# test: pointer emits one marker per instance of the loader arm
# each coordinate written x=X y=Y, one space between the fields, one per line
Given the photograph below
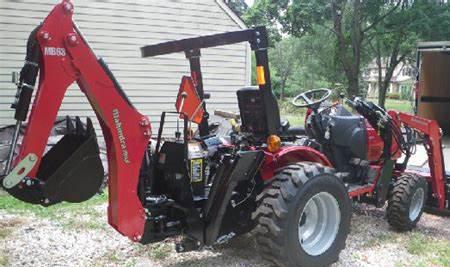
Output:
x=433 y=145
x=67 y=58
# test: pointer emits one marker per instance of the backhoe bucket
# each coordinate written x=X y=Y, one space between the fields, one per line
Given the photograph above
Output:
x=72 y=170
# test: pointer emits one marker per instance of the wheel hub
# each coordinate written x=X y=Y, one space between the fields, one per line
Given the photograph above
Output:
x=319 y=223
x=416 y=204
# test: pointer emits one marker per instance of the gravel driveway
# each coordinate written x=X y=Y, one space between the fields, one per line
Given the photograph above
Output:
x=83 y=238
x=80 y=236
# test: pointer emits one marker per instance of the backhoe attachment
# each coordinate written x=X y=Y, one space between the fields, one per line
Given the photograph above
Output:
x=72 y=171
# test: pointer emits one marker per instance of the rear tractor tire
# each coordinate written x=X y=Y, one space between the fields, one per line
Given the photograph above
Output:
x=303 y=216
x=406 y=201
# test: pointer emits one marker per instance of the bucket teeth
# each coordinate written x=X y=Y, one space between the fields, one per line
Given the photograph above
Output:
x=80 y=128
x=69 y=125
x=89 y=127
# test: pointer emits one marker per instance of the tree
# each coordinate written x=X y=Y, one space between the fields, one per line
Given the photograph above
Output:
x=391 y=44
x=342 y=36
x=283 y=58
x=264 y=12
x=313 y=64
x=350 y=21
x=238 y=6
x=320 y=57
x=394 y=39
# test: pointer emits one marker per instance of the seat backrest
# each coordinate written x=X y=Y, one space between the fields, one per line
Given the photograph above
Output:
x=257 y=117
x=350 y=132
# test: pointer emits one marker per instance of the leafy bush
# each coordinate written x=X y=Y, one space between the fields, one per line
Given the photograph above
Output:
x=405 y=93
x=286 y=107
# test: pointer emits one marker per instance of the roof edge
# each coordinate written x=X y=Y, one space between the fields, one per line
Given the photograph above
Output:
x=231 y=14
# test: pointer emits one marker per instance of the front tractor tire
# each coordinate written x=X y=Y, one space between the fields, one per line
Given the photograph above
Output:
x=303 y=216
x=406 y=201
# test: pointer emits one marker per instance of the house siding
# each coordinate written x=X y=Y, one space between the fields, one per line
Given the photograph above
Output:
x=116 y=30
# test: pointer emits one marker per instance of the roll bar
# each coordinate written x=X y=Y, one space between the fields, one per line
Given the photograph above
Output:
x=257 y=37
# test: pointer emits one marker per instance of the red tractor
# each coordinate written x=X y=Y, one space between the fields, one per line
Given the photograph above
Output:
x=293 y=186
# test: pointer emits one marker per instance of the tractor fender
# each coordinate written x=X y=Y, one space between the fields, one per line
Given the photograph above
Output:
x=289 y=155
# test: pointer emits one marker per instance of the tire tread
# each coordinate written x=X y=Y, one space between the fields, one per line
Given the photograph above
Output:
x=273 y=208
x=398 y=203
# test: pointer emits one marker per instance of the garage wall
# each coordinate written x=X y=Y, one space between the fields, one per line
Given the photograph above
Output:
x=116 y=29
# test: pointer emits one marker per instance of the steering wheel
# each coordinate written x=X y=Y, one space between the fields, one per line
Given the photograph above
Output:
x=306 y=97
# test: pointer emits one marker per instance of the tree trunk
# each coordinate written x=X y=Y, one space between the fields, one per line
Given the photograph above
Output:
x=394 y=60
x=349 y=49
x=353 y=86
x=381 y=86
x=382 y=89
x=282 y=85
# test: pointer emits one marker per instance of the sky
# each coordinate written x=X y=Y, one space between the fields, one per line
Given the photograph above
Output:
x=249 y=2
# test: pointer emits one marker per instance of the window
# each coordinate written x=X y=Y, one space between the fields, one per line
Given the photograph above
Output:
x=406 y=71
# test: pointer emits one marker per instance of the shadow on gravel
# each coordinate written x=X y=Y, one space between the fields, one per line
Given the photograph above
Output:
x=241 y=251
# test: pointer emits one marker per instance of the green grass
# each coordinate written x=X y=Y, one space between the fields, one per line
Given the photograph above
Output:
x=90 y=223
x=5 y=232
x=3 y=259
x=12 y=205
x=432 y=251
x=160 y=251
x=294 y=120
x=8 y=226
x=380 y=239
x=399 y=105
x=427 y=250
x=67 y=214
x=295 y=116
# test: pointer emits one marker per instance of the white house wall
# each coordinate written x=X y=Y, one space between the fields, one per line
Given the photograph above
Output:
x=116 y=30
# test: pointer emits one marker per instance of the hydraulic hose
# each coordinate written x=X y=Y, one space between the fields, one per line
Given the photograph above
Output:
x=28 y=76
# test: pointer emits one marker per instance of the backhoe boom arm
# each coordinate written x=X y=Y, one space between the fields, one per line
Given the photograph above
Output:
x=67 y=58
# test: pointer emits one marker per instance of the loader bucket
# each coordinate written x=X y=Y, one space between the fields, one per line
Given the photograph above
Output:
x=72 y=170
